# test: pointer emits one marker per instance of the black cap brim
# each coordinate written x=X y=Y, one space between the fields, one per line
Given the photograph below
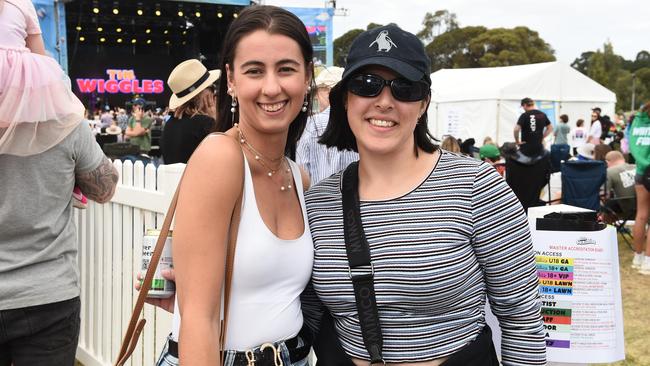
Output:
x=400 y=67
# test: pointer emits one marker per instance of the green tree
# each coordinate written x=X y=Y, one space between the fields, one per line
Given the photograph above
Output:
x=451 y=49
x=605 y=67
x=642 y=86
x=642 y=60
x=437 y=23
x=342 y=44
x=617 y=74
x=582 y=63
x=507 y=47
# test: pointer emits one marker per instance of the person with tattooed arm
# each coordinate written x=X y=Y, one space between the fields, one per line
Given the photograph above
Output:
x=39 y=276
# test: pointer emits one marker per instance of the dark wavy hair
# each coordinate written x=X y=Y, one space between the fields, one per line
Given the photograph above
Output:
x=273 y=20
x=338 y=133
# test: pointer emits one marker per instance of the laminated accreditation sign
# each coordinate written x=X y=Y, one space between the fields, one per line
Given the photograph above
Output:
x=580 y=293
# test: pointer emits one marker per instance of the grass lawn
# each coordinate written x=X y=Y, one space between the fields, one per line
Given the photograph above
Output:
x=635 y=289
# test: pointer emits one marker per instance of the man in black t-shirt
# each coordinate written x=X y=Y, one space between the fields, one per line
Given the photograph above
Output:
x=534 y=127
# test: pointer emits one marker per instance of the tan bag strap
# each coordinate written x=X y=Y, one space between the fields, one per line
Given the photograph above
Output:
x=136 y=325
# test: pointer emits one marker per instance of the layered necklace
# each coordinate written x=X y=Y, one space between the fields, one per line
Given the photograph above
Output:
x=282 y=165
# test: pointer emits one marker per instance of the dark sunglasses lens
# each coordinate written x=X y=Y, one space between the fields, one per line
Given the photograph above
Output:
x=366 y=85
x=409 y=91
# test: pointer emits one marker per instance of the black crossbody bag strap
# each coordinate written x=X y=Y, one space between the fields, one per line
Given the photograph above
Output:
x=360 y=266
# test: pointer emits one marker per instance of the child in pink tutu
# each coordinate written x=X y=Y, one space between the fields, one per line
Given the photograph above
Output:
x=37 y=106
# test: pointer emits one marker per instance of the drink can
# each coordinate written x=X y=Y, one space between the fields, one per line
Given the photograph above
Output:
x=160 y=287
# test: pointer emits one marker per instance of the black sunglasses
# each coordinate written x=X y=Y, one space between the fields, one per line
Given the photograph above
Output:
x=369 y=85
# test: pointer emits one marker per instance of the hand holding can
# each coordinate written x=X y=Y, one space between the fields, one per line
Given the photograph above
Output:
x=160 y=286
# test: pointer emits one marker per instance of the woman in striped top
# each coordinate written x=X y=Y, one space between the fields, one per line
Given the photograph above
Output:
x=443 y=230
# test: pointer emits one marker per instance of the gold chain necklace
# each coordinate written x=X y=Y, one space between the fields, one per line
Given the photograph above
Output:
x=263 y=161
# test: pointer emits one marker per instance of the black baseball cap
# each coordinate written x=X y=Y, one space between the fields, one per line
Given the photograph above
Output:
x=391 y=47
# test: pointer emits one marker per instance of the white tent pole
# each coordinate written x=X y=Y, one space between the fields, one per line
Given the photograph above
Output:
x=437 y=128
x=498 y=136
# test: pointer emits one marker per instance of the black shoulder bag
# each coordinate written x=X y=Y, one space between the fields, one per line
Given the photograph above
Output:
x=326 y=344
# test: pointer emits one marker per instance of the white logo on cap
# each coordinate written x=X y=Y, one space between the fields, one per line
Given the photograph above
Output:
x=384 y=43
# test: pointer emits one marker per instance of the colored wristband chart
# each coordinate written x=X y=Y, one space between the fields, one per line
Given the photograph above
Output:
x=556 y=278
x=579 y=288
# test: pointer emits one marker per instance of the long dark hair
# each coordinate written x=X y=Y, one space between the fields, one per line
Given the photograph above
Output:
x=338 y=133
x=273 y=20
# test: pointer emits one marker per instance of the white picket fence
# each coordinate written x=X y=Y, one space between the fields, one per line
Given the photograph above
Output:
x=110 y=249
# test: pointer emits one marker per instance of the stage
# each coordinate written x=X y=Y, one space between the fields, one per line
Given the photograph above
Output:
x=118 y=50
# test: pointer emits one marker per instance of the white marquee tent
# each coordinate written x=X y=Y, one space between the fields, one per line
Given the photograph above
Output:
x=486 y=101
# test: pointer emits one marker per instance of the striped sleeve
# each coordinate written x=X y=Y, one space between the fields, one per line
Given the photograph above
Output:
x=503 y=247
x=305 y=143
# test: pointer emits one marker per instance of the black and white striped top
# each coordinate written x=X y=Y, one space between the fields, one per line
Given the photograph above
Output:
x=437 y=251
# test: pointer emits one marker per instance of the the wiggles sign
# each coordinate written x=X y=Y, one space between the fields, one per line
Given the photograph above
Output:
x=121 y=81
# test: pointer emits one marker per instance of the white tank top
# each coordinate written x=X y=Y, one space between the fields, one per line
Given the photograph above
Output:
x=269 y=276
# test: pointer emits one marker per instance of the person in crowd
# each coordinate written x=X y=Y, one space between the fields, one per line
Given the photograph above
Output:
x=533 y=125
x=579 y=136
x=429 y=219
x=319 y=161
x=195 y=110
x=562 y=131
x=490 y=154
x=265 y=96
x=608 y=128
x=122 y=120
x=621 y=121
x=617 y=141
x=45 y=149
x=600 y=151
x=106 y=118
x=450 y=144
x=596 y=129
x=586 y=152
x=138 y=129
x=467 y=147
x=620 y=183
x=560 y=150
x=488 y=140
x=640 y=149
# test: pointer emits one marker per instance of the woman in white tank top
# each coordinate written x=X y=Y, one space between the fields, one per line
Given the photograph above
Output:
x=264 y=100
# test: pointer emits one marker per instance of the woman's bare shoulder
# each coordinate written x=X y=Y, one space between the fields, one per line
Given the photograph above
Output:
x=217 y=165
x=218 y=152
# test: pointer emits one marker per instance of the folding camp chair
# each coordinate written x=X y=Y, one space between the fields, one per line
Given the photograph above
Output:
x=581 y=183
x=526 y=177
x=559 y=153
x=617 y=211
